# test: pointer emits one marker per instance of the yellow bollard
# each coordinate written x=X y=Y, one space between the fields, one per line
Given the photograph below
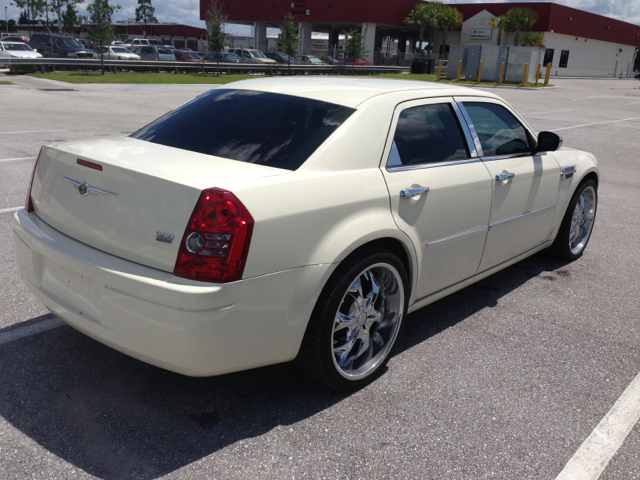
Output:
x=501 y=74
x=439 y=69
x=459 y=70
x=546 y=75
x=538 y=74
x=524 y=75
x=480 y=72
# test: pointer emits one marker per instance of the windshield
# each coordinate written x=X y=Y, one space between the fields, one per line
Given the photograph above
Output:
x=271 y=129
x=257 y=54
x=315 y=60
x=232 y=56
x=68 y=43
x=16 y=46
x=191 y=55
x=119 y=50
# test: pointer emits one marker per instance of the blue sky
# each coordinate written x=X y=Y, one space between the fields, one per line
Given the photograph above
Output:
x=188 y=11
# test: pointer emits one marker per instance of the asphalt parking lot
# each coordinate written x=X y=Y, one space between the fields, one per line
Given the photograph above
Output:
x=503 y=380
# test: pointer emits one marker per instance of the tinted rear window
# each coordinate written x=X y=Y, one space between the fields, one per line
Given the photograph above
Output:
x=270 y=129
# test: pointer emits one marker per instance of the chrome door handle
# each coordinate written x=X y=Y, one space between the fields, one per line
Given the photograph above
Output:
x=413 y=192
x=504 y=176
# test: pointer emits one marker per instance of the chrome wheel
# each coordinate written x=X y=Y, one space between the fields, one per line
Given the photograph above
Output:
x=367 y=321
x=582 y=220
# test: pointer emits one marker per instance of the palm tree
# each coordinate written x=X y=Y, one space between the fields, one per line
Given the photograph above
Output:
x=519 y=19
x=424 y=16
x=533 y=39
x=448 y=18
x=501 y=24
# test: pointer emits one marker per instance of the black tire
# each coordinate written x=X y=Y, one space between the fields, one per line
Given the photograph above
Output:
x=564 y=247
x=372 y=341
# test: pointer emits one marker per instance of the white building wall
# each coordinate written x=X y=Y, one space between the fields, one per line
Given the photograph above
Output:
x=589 y=58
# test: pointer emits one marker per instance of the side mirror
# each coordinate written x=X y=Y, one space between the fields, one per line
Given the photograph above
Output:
x=548 y=142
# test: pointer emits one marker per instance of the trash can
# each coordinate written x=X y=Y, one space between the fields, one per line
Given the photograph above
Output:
x=422 y=66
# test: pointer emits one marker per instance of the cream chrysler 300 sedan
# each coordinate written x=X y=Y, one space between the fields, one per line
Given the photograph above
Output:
x=279 y=219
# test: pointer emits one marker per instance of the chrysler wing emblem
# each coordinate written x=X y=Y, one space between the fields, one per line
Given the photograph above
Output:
x=85 y=189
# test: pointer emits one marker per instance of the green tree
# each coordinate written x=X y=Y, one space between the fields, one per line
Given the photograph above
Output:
x=23 y=19
x=448 y=18
x=102 y=32
x=145 y=13
x=11 y=28
x=501 y=24
x=34 y=8
x=519 y=19
x=424 y=17
x=533 y=39
x=354 y=46
x=288 y=37
x=69 y=19
x=215 y=31
x=57 y=7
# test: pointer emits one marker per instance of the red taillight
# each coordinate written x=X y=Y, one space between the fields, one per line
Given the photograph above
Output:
x=28 y=206
x=216 y=242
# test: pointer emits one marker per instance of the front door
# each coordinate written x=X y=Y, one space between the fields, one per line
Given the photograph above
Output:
x=525 y=186
x=440 y=191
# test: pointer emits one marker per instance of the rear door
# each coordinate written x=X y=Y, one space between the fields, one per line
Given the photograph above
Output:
x=525 y=186
x=440 y=191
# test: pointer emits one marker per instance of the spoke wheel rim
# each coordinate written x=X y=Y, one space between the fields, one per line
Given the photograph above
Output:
x=367 y=321
x=582 y=220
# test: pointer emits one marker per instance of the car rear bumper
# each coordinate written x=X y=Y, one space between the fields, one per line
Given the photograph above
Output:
x=189 y=327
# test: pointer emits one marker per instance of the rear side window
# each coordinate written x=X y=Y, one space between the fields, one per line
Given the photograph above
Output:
x=271 y=129
x=500 y=133
x=427 y=134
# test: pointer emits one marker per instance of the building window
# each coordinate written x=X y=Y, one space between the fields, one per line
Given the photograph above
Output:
x=564 y=58
x=548 y=57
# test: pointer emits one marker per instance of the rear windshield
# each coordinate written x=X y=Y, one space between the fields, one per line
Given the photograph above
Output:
x=271 y=129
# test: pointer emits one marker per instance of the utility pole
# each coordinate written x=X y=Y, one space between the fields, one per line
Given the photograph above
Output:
x=6 y=21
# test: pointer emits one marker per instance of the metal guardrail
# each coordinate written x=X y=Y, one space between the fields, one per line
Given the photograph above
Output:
x=202 y=67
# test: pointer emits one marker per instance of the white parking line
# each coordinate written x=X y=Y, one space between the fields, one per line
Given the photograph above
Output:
x=16 y=159
x=32 y=329
x=594 y=454
x=596 y=123
x=12 y=209
x=33 y=131
x=545 y=113
x=599 y=96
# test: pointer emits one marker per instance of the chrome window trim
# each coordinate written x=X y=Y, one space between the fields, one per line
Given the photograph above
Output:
x=513 y=155
x=471 y=144
x=459 y=235
x=521 y=217
x=421 y=166
x=472 y=129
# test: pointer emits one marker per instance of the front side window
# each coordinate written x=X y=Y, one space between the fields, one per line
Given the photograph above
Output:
x=427 y=134
x=271 y=129
x=499 y=131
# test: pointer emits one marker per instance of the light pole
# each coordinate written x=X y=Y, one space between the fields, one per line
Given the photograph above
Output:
x=6 y=22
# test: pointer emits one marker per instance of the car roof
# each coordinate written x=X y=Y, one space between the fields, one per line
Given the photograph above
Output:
x=351 y=92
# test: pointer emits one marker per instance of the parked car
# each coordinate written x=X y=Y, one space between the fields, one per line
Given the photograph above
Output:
x=252 y=56
x=224 y=57
x=294 y=218
x=118 y=43
x=113 y=52
x=16 y=50
x=357 y=61
x=65 y=46
x=86 y=43
x=281 y=58
x=309 y=60
x=153 y=52
x=133 y=43
x=187 y=56
x=331 y=60
x=14 y=38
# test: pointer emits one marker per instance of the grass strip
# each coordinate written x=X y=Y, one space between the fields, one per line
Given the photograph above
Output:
x=2 y=82
x=432 y=78
x=143 y=78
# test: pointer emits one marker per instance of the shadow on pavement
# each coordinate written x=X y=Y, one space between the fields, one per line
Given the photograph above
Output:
x=115 y=417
